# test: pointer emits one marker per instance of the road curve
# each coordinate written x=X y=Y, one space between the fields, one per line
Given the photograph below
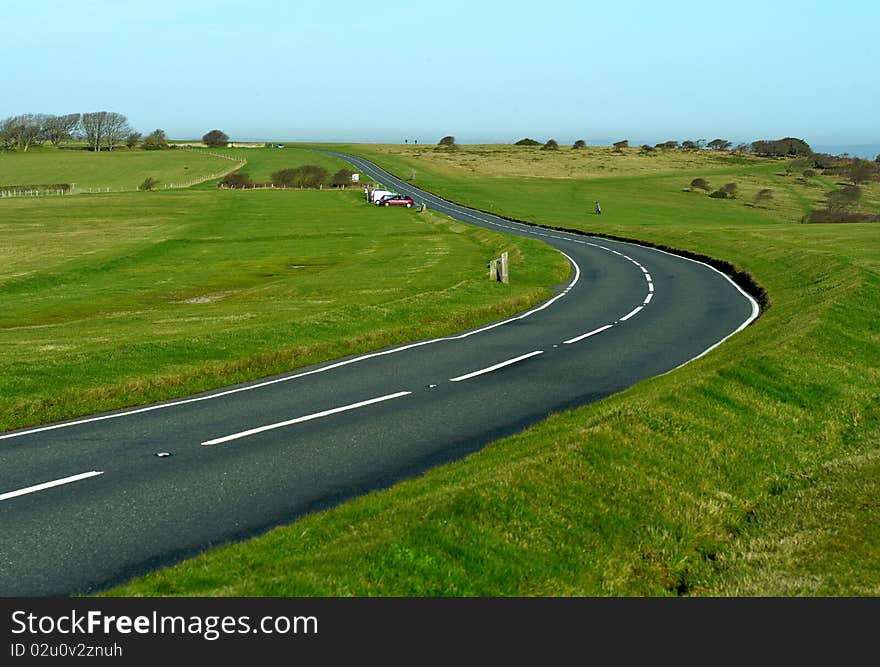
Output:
x=89 y=503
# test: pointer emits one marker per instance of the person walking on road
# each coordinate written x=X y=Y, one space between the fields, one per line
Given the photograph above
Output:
x=598 y=209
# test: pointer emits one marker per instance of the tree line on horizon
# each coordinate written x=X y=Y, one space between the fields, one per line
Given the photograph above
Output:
x=101 y=130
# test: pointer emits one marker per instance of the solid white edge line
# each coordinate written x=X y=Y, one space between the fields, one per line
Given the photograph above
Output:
x=49 y=485
x=496 y=366
x=305 y=418
x=587 y=335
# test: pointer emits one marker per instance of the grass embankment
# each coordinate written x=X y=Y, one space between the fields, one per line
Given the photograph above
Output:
x=752 y=471
x=262 y=162
x=121 y=169
x=113 y=300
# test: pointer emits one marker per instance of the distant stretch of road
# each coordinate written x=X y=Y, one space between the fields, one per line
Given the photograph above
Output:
x=92 y=502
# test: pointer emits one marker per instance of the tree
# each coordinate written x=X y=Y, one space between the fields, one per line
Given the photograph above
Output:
x=580 y=143
x=60 y=128
x=527 y=142
x=342 y=177
x=156 y=141
x=132 y=139
x=690 y=145
x=667 y=145
x=311 y=176
x=104 y=129
x=216 y=139
x=787 y=147
x=719 y=145
x=448 y=141
x=620 y=145
x=116 y=129
x=551 y=145
x=729 y=189
x=700 y=183
x=149 y=183
x=22 y=132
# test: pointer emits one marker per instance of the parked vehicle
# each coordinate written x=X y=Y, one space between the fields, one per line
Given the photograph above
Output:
x=397 y=200
x=378 y=194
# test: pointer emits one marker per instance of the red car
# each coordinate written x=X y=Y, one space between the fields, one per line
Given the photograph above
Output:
x=396 y=200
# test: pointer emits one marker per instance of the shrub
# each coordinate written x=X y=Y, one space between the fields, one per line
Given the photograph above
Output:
x=527 y=142
x=719 y=194
x=149 y=183
x=700 y=183
x=448 y=140
x=809 y=173
x=306 y=176
x=845 y=198
x=155 y=141
x=620 y=145
x=764 y=195
x=827 y=215
x=580 y=143
x=551 y=145
x=283 y=178
x=342 y=177
x=237 y=179
x=730 y=189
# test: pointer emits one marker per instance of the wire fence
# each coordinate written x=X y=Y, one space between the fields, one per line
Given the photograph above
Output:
x=238 y=163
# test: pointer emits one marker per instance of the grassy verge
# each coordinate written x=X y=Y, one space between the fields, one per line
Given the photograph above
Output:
x=114 y=300
x=751 y=471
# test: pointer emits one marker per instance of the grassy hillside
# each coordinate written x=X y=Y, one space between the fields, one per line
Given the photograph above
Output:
x=116 y=299
x=750 y=472
x=261 y=162
x=121 y=169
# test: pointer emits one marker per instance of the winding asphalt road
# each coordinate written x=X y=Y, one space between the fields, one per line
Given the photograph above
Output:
x=90 y=503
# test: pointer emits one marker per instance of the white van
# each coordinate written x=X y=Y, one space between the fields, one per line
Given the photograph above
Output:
x=378 y=194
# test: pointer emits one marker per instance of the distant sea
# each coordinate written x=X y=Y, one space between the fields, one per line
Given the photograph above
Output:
x=866 y=151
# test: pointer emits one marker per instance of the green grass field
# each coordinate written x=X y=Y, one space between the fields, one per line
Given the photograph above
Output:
x=113 y=300
x=120 y=169
x=750 y=472
x=261 y=162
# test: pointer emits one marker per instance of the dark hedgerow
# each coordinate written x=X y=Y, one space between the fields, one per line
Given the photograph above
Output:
x=237 y=179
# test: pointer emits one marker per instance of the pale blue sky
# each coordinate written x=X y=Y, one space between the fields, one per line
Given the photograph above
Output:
x=481 y=71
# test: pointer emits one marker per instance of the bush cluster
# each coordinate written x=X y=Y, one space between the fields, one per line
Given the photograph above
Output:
x=306 y=176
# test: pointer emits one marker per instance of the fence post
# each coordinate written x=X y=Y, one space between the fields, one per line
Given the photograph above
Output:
x=505 y=268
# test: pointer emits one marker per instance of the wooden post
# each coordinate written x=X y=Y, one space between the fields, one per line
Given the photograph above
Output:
x=505 y=268
x=493 y=270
